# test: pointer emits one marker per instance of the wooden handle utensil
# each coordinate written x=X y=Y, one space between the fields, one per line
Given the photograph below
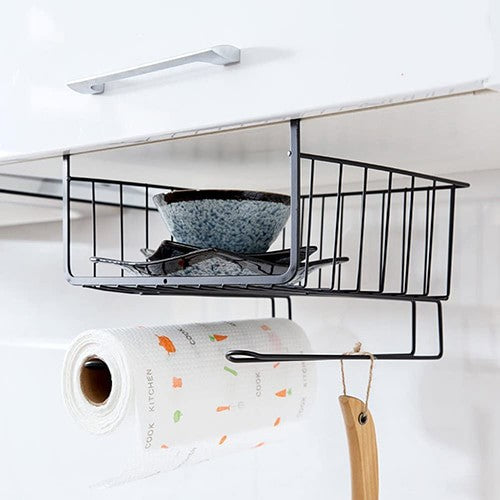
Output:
x=361 y=437
x=362 y=442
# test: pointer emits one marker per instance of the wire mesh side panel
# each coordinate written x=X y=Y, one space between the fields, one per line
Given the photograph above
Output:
x=112 y=218
x=394 y=227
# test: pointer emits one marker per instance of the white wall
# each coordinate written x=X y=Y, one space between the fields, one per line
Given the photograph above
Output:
x=436 y=421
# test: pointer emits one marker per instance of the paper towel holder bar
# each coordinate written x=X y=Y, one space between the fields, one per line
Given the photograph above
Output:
x=246 y=356
x=94 y=364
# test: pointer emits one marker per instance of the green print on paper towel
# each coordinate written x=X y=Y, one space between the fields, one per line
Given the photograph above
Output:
x=231 y=371
x=177 y=415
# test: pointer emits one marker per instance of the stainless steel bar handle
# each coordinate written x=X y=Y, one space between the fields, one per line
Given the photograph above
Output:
x=220 y=55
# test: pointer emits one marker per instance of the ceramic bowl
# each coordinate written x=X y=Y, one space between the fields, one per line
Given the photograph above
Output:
x=236 y=221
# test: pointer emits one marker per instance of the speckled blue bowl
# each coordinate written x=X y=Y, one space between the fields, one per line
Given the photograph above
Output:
x=237 y=221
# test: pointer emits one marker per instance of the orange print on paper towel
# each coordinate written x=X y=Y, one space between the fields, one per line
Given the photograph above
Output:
x=217 y=338
x=266 y=328
x=258 y=445
x=283 y=393
x=277 y=422
x=176 y=382
x=223 y=439
x=223 y=408
x=166 y=343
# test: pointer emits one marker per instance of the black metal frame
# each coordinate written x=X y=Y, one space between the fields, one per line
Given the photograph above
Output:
x=245 y=356
x=302 y=223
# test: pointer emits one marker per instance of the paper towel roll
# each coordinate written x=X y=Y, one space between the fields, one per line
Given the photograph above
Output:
x=189 y=403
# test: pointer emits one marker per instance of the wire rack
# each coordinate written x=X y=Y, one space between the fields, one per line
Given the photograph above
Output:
x=393 y=228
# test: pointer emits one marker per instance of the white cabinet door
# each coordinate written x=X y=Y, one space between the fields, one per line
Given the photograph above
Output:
x=296 y=57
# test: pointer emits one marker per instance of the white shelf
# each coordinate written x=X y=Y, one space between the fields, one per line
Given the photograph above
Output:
x=441 y=136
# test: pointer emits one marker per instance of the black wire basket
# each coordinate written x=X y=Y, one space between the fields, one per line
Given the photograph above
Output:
x=356 y=230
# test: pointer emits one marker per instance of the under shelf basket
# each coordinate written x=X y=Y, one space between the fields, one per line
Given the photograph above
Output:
x=394 y=226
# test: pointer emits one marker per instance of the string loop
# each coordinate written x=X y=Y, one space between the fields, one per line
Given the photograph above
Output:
x=356 y=351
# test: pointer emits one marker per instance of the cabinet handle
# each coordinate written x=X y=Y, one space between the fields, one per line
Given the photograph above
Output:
x=220 y=55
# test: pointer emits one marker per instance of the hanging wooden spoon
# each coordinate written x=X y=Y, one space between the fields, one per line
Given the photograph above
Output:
x=362 y=448
x=361 y=438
